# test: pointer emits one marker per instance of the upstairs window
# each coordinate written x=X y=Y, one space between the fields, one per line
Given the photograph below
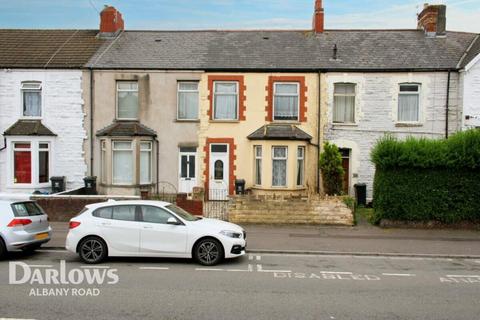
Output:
x=409 y=103
x=187 y=100
x=285 y=101
x=127 y=100
x=344 y=103
x=225 y=101
x=32 y=99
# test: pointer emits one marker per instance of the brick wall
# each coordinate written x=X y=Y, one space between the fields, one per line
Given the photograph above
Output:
x=289 y=210
x=195 y=207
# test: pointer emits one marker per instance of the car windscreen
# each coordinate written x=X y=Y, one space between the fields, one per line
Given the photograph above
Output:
x=26 y=209
x=181 y=213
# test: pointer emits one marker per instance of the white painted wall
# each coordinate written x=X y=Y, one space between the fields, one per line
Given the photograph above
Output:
x=471 y=94
x=376 y=113
x=62 y=112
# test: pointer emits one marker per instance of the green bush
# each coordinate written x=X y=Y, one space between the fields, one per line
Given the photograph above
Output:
x=332 y=169
x=423 y=180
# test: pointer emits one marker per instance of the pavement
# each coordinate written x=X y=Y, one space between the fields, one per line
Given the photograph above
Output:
x=363 y=239
x=255 y=286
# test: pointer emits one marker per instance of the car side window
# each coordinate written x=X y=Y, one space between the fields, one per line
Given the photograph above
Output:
x=126 y=213
x=155 y=215
x=105 y=213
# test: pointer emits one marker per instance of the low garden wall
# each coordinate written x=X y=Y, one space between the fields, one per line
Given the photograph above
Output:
x=264 y=209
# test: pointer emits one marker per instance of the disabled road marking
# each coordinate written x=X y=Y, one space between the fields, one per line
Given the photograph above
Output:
x=460 y=278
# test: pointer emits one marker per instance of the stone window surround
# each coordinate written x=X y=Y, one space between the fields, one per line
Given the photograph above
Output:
x=302 y=110
x=241 y=95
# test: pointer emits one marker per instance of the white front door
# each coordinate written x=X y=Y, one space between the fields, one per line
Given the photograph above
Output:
x=187 y=167
x=219 y=172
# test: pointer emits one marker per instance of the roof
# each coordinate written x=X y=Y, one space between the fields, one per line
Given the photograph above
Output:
x=126 y=129
x=367 y=50
x=473 y=51
x=279 y=132
x=59 y=49
x=28 y=128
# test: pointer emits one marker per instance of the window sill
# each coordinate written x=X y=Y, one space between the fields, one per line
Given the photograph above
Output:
x=278 y=188
x=187 y=120
x=28 y=186
x=339 y=124
x=224 y=121
x=408 y=124
x=294 y=122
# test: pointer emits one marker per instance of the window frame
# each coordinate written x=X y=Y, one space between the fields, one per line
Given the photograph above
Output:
x=22 y=98
x=132 y=149
x=237 y=94
x=419 y=97
x=286 y=165
x=188 y=91
x=302 y=158
x=141 y=218
x=297 y=84
x=354 y=95
x=150 y=152
x=117 y=82
x=103 y=161
x=257 y=158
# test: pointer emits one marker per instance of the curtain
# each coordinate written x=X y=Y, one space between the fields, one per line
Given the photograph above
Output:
x=226 y=107
x=344 y=109
x=258 y=171
x=145 y=167
x=286 y=107
x=300 y=172
x=122 y=167
x=279 y=173
x=408 y=107
x=188 y=105
x=127 y=105
x=32 y=104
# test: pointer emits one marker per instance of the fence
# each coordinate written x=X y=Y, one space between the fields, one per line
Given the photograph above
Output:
x=216 y=204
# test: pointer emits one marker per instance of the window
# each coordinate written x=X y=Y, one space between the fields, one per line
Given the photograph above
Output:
x=122 y=162
x=155 y=215
x=409 y=103
x=103 y=161
x=145 y=162
x=187 y=162
x=279 y=164
x=105 y=213
x=126 y=213
x=218 y=170
x=225 y=100
x=22 y=162
x=258 y=165
x=344 y=103
x=127 y=100
x=285 y=101
x=32 y=99
x=26 y=209
x=43 y=162
x=187 y=100
x=300 y=166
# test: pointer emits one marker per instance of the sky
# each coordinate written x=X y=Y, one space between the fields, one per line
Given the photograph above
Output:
x=462 y=15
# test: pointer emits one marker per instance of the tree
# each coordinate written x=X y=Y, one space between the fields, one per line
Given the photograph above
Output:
x=332 y=169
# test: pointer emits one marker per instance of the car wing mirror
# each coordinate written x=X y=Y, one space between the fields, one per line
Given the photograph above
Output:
x=172 y=221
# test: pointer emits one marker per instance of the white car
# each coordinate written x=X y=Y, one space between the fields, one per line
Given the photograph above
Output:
x=140 y=228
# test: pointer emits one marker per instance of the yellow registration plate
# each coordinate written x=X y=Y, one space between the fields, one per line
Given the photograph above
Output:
x=41 y=236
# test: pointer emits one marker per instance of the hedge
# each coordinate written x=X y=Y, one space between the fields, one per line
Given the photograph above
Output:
x=428 y=180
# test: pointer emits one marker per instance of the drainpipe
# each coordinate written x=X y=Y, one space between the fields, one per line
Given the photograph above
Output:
x=158 y=163
x=318 y=128
x=91 y=120
x=447 y=105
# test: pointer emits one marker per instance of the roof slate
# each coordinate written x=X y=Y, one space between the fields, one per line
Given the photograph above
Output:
x=126 y=129
x=279 y=132
x=23 y=48
x=282 y=50
x=28 y=128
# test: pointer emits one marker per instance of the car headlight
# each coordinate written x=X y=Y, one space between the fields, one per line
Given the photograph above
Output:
x=231 y=234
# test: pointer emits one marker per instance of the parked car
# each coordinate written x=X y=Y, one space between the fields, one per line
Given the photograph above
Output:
x=23 y=226
x=151 y=229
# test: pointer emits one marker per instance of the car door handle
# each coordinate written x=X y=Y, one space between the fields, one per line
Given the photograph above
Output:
x=147 y=227
x=106 y=224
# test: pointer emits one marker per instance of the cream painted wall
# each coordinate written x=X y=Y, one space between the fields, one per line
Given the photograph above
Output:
x=256 y=103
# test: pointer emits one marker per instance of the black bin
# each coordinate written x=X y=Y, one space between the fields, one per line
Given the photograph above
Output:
x=361 y=194
x=240 y=186
x=90 y=185
x=58 y=184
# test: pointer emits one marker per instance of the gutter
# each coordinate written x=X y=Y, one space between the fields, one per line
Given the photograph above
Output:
x=447 y=108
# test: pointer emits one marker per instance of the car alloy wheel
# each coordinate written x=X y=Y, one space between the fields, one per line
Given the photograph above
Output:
x=92 y=250
x=209 y=252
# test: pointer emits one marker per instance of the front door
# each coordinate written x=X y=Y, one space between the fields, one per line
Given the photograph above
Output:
x=346 y=168
x=219 y=172
x=187 y=168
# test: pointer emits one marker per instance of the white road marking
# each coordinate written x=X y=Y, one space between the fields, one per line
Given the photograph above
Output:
x=208 y=269
x=40 y=266
x=259 y=258
x=399 y=274
x=15 y=319
x=477 y=261
x=95 y=267
x=260 y=269
x=336 y=272
x=153 y=268
x=250 y=257
x=250 y=269
x=462 y=276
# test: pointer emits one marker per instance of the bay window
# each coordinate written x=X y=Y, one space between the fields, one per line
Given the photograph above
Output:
x=32 y=98
x=344 y=103
x=43 y=162
x=279 y=166
x=258 y=165
x=145 y=162
x=122 y=162
x=127 y=100
x=22 y=162
x=409 y=103
x=30 y=163
x=285 y=101
x=187 y=96
x=300 y=166
x=225 y=102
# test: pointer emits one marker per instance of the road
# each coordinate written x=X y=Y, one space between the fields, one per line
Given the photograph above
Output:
x=252 y=287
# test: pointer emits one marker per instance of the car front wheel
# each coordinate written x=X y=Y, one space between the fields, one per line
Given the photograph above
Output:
x=92 y=250
x=208 y=252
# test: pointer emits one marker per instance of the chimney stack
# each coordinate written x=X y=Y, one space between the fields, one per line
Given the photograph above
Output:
x=318 y=17
x=433 y=20
x=111 y=22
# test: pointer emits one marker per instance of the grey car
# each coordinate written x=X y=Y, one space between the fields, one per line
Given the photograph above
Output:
x=23 y=226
